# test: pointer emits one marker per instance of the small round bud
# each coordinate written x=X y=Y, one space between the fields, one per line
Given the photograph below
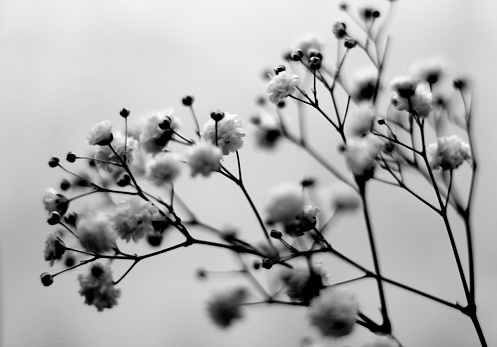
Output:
x=389 y=147
x=343 y=6
x=315 y=63
x=256 y=120
x=154 y=239
x=281 y=104
x=124 y=112
x=71 y=157
x=46 y=279
x=314 y=53
x=201 y=273
x=65 y=184
x=459 y=83
x=217 y=115
x=261 y=100
x=69 y=261
x=375 y=14
x=165 y=124
x=71 y=218
x=339 y=30
x=381 y=121
x=307 y=182
x=341 y=148
x=53 y=162
x=256 y=265
x=267 y=264
x=187 y=100
x=296 y=55
x=278 y=69
x=97 y=271
x=124 y=180
x=367 y=13
x=275 y=234
x=350 y=43
x=54 y=218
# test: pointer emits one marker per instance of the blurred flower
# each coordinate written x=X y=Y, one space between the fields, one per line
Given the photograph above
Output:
x=152 y=138
x=98 y=288
x=101 y=133
x=303 y=285
x=360 y=122
x=339 y=30
x=281 y=86
x=448 y=152
x=308 y=42
x=95 y=232
x=344 y=198
x=363 y=85
x=163 y=168
x=226 y=307
x=429 y=70
x=105 y=154
x=204 y=158
x=284 y=204
x=334 y=312
x=54 y=249
x=380 y=341
x=304 y=221
x=411 y=95
x=230 y=133
x=55 y=202
x=132 y=219
x=360 y=154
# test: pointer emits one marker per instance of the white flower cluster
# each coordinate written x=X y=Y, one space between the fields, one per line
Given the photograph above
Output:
x=230 y=133
x=448 y=153
x=132 y=219
x=98 y=287
x=281 y=86
x=226 y=307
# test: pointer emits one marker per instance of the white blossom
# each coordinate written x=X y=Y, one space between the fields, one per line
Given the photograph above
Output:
x=163 y=168
x=448 y=152
x=204 y=158
x=95 y=232
x=226 y=307
x=105 y=154
x=132 y=219
x=54 y=249
x=50 y=200
x=98 y=288
x=333 y=312
x=281 y=85
x=284 y=203
x=360 y=154
x=101 y=133
x=360 y=122
x=153 y=139
x=363 y=84
x=411 y=95
x=230 y=133
x=299 y=283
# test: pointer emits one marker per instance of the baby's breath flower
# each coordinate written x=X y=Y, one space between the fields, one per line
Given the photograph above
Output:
x=152 y=138
x=308 y=42
x=101 y=133
x=448 y=152
x=98 y=288
x=230 y=133
x=226 y=307
x=132 y=219
x=364 y=83
x=429 y=70
x=344 y=198
x=360 y=154
x=204 y=158
x=339 y=30
x=280 y=86
x=361 y=121
x=302 y=285
x=95 y=232
x=54 y=249
x=411 y=95
x=284 y=204
x=163 y=168
x=380 y=341
x=334 y=312
x=55 y=202
x=105 y=154
x=304 y=221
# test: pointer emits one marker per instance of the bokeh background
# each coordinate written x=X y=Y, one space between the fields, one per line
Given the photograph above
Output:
x=65 y=65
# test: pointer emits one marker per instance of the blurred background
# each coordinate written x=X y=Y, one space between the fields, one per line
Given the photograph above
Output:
x=66 y=65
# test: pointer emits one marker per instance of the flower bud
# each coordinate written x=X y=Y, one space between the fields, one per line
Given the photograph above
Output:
x=124 y=113
x=256 y=265
x=165 y=124
x=375 y=14
x=65 y=185
x=46 y=279
x=275 y=234
x=312 y=52
x=124 y=180
x=53 y=162
x=350 y=43
x=296 y=55
x=187 y=100
x=97 y=271
x=459 y=84
x=69 y=261
x=281 y=104
x=217 y=115
x=381 y=121
x=201 y=273
x=307 y=182
x=71 y=157
x=54 y=218
x=339 y=30
x=315 y=63
x=154 y=239
x=267 y=264
x=71 y=219
x=279 y=68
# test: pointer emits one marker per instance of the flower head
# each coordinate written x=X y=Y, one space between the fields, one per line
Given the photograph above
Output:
x=303 y=285
x=364 y=83
x=55 y=202
x=334 y=312
x=284 y=204
x=304 y=221
x=429 y=70
x=307 y=43
x=106 y=155
x=204 y=158
x=101 y=133
x=412 y=95
x=163 y=168
x=153 y=139
x=230 y=133
x=54 y=249
x=360 y=154
x=132 y=219
x=448 y=152
x=226 y=307
x=281 y=85
x=361 y=121
x=95 y=232
x=98 y=288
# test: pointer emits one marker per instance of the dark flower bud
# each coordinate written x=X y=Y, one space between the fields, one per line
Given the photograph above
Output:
x=350 y=43
x=389 y=147
x=375 y=14
x=65 y=185
x=53 y=162
x=279 y=68
x=315 y=63
x=381 y=121
x=275 y=234
x=187 y=100
x=281 y=104
x=97 y=271
x=54 y=218
x=71 y=157
x=307 y=182
x=314 y=53
x=154 y=239
x=71 y=219
x=339 y=30
x=296 y=55
x=165 y=124
x=217 y=115
x=69 y=261
x=124 y=180
x=343 y=6
x=261 y=100
x=124 y=113
x=256 y=265
x=201 y=273
x=459 y=84
x=366 y=13
x=46 y=279
x=267 y=264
